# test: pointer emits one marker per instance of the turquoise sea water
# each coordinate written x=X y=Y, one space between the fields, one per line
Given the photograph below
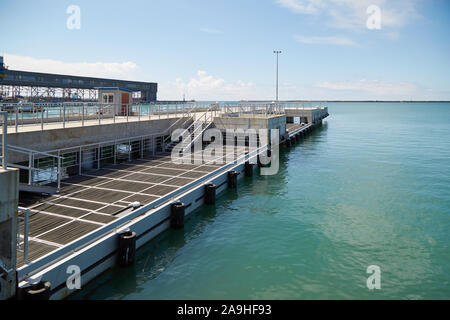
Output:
x=370 y=187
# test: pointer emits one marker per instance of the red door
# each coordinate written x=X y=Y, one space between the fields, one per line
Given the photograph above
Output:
x=125 y=103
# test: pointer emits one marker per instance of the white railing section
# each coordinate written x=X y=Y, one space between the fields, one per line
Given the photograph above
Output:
x=43 y=167
x=87 y=113
x=199 y=126
x=4 y=156
x=95 y=155
x=186 y=115
x=22 y=246
x=251 y=108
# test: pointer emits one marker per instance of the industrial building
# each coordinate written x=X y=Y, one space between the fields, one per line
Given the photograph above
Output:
x=36 y=86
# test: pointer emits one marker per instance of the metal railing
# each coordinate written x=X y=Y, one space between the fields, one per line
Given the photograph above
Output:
x=23 y=246
x=4 y=156
x=43 y=167
x=177 y=124
x=93 y=156
x=87 y=113
x=208 y=115
x=250 y=108
x=199 y=126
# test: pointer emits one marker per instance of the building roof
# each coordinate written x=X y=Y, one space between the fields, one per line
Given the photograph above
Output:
x=113 y=88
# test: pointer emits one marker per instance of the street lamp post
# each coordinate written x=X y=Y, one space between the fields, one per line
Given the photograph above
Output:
x=277 y=53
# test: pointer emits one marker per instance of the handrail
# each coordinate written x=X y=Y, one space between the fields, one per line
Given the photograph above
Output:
x=68 y=112
x=254 y=108
x=195 y=121
x=204 y=115
x=25 y=219
x=26 y=150
x=189 y=111
x=31 y=168
x=4 y=156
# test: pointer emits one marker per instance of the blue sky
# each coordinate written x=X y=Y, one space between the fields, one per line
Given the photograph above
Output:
x=223 y=49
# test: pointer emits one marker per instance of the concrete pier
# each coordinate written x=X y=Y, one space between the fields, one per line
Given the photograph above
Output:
x=105 y=193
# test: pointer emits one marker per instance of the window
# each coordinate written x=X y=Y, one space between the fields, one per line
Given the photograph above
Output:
x=108 y=98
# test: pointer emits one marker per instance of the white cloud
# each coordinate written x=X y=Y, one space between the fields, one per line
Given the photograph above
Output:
x=351 y=14
x=343 y=41
x=208 y=87
x=116 y=70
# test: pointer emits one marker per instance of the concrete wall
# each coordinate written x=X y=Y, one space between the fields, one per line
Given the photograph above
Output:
x=252 y=122
x=70 y=137
x=9 y=195
x=278 y=123
x=312 y=114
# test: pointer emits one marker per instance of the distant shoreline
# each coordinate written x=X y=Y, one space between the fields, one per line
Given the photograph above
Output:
x=382 y=101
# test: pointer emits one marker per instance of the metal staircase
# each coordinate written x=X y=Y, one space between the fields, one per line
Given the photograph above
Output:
x=194 y=132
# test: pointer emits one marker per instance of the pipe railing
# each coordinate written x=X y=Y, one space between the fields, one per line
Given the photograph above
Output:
x=4 y=156
x=250 y=108
x=25 y=219
x=46 y=114
x=186 y=114
x=198 y=124
x=36 y=164
x=202 y=125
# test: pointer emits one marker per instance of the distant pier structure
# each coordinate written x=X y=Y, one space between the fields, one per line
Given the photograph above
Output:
x=36 y=86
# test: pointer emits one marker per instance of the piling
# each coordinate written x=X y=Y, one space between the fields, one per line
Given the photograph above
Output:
x=248 y=169
x=232 y=179
x=177 y=215
x=127 y=248
x=210 y=194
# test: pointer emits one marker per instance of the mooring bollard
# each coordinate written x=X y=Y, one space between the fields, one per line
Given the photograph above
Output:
x=177 y=215
x=210 y=194
x=248 y=169
x=38 y=291
x=232 y=179
x=127 y=248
